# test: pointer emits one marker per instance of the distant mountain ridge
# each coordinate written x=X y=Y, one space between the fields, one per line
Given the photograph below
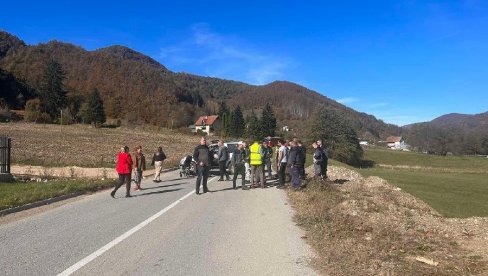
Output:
x=150 y=93
x=461 y=120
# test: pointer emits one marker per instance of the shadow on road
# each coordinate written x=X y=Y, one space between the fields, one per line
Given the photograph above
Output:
x=158 y=192
x=221 y=190
x=163 y=186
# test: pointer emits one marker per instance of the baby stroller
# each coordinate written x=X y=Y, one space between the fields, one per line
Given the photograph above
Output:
x=188 y=166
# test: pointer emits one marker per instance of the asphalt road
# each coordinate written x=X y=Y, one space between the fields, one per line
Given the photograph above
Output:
x=165 y=229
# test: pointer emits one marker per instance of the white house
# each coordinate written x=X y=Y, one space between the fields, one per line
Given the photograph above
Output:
x=396 y=142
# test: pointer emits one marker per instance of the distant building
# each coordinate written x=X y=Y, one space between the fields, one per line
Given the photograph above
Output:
x=206 y=123
x=364 y=143
x=396 y=143
x=285 y=129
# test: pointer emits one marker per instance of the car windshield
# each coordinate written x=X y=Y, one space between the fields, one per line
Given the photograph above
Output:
x=232 y=147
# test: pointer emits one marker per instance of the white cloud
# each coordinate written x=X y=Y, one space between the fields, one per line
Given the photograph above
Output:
x=347 y=100
x=224 y=56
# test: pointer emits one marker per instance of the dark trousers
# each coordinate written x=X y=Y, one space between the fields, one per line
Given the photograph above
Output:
x=295 y=176
x=239 y=170
x=202 y=175
x=281 y=174
x=301 y=171
x=323 y=168
x=223 y=170
x=123 y=178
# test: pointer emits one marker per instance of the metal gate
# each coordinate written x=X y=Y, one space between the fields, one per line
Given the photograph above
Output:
x=4 y=154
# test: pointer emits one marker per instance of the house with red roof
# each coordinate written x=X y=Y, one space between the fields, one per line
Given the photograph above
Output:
x=207 y=123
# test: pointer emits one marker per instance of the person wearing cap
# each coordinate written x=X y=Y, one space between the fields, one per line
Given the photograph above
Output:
x=202 y=156
x=238 y=160
x=124 y=170
x=139 y=167
x=256 y=162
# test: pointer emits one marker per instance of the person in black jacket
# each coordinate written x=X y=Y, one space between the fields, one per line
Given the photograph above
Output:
x=223 y=155
x=238 y=161
x=157 y=162
x=325 y=159
x=293 y=163
x=201 y=154
x=302 y=158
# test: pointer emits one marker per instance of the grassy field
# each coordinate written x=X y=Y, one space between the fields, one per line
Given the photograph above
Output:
x=456 y=186
x=86 y=146
x=17 y=194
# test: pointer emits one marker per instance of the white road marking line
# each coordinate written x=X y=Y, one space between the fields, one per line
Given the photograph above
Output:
x=122 y=237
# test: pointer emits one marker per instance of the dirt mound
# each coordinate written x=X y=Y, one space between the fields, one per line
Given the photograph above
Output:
x=365 y=226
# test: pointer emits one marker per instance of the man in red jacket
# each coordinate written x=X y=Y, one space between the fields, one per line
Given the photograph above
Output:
x=124 y=169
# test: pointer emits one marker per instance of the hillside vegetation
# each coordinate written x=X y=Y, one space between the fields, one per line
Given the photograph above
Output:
x=144 y=91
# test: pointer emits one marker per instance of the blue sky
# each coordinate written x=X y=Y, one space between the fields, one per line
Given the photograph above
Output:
x=402 y=61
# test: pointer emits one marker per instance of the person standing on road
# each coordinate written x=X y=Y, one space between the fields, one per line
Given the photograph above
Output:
x=139 y=166
x=157 y=162
x=293 y=163
x=124 y=170
x=317 y=160
x=267 y=154
x=282 y=160
x=223 y=157
x=238 y=160
x=247 y=161
x=201 y=155
x=256 y=161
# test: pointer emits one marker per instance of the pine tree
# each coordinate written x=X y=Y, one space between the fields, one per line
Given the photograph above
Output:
x=338 y=135
x=238 y=125
x=268 y=120
x=224 y=116
x=95 y=113
x=51 y=92
x=254 y=128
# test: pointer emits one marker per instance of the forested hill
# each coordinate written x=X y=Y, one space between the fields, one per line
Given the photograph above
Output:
x=456 y=133
x=142 y=90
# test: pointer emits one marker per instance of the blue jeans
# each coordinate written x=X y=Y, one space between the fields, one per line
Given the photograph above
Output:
x=202 y=177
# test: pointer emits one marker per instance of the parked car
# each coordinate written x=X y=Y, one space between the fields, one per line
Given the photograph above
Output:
x=214 y=149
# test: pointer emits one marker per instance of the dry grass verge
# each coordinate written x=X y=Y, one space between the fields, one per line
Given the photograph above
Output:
x=368 y=227
x=86 y=146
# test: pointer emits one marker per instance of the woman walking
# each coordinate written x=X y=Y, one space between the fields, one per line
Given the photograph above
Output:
x=124 y=169
x=157 y=162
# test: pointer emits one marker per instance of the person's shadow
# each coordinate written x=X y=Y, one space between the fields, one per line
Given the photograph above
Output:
x=158 y=192
x=162 y=186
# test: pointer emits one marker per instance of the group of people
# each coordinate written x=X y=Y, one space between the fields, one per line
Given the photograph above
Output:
x=252 y=162
x=249 y=162
x=125 y=165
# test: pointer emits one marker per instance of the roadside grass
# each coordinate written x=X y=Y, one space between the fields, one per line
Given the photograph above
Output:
x=21 y=193
x=356 y=233
x=414 y=159
x=458 y=195
x=456 y=186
